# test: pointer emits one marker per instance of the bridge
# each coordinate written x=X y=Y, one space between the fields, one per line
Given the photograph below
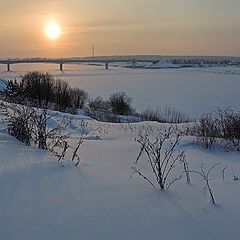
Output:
x=62 y=61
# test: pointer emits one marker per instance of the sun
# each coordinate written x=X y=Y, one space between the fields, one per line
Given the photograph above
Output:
x=52 y=30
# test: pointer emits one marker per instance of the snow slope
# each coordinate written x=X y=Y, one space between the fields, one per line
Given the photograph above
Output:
x=40 y=199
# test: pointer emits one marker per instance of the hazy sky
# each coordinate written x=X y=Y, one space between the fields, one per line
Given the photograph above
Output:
x=168 y=27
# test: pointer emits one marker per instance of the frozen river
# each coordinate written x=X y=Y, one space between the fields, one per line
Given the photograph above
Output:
x=192 y=91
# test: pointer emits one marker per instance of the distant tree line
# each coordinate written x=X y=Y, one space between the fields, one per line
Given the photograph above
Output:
x=201 y=61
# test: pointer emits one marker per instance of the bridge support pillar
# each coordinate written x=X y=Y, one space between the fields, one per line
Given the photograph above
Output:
x=134 y=64
x=8 y=67
x=106 y=65
x=61 y=67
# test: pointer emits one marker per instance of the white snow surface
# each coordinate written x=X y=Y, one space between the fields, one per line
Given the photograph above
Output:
x=193 y=91
x=40 y=199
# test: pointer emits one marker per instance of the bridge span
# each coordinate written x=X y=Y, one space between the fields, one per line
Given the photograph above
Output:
x=106 y=62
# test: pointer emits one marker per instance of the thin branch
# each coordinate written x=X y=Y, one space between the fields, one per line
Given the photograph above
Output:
x=140 y=174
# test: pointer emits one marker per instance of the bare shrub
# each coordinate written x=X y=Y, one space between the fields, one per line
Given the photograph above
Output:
x=99 y=104
x=205 y=175
x=41 y=129
x=151 y=115
x=229 y=128
x=62 y=97
x=19 y=124
x=110 y=117
x=60 y=146
x=13 y=92
x=75 y=157
x=110 y=110
x=38 y=88
x=205 y=131
x=224 y=173
x=79 y=98
x=186 y=169
x=44 y=91
x=120 y=103
x=162 y=156
x=103 y=116
x=42 y=134
x=222 y=127
x=168 y=115
x=29 y=125
x=63 y=145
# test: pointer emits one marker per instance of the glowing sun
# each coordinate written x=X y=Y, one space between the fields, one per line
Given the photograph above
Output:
x=52 y=30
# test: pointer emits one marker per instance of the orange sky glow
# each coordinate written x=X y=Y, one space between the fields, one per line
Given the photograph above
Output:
x=187 y=27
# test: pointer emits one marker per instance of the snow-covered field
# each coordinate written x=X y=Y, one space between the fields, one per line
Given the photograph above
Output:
x=40 y=199
x=192 y=91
